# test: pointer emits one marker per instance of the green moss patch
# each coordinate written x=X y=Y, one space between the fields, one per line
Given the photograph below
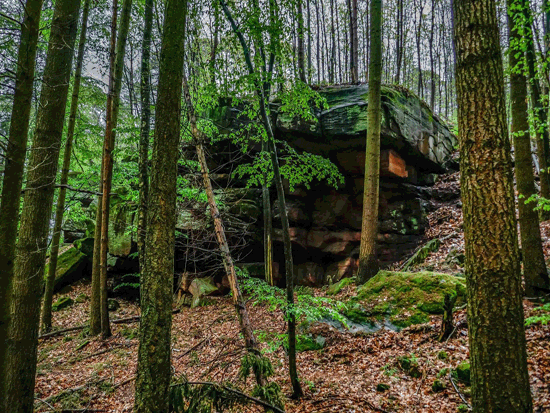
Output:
x=72 y=265
x=62 y=303
x=407 y=298
x=336 y=288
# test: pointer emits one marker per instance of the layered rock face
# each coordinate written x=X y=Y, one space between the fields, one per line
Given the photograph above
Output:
x=326 y=222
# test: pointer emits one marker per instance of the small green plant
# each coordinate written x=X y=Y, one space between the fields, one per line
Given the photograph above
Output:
x=389 y=370
x=542 y=319
x=442 y=355
x=409 y=364
x=382 y=387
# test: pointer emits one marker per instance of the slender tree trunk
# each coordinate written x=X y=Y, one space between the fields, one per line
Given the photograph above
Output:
x=14 y=167
x=289 y=266
x=37 y=209
x=309 y=72
x=153 y=371
x=432 y=68
x=539 y=111
x=108 y=148
x=534 y=266
x=145 y=93
x=368 y=262
x=318 y=32
x=332 y=68
x=301 y=51
x=95 y=298
x=250 y=341
x=354 y=42
x=399 y=42
x=495 y=312
x=46 y=316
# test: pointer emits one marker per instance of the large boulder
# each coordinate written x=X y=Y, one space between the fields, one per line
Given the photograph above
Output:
x=72 y=265
x=407 y=298
x=408 y=126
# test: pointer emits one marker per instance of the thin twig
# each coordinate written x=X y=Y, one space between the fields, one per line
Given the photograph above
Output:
x=458 y=392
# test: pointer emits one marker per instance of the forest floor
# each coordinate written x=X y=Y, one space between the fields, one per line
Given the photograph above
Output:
x=90 y=374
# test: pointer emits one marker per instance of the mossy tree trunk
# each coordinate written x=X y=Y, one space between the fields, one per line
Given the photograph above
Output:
x=46 y=316
x=368 y=262
x=260 y=90
x=145 y=93
x=153 y=371
x=534 y=266
x=37 y=209
x=14 y=165
x=500 y=381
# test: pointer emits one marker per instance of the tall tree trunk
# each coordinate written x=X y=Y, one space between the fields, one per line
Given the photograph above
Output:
x=301 y=51
x=332 y=67
x=14 y=167
x=539 y=110
x=399 y=42
x=309 y=72
x=115 y=85
x=30 y=261
x=145 y=94
x=534 y=266
x=495 y=312
x=95 y=298
x=46 y=316
x=289 y=266
x=368 y=262
x=354 y=42
x=432 y=69
x=153 y=370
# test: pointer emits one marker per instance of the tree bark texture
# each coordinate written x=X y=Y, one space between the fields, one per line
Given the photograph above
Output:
x=46 y=316
x=37 y=209
x=368 y=263
x=534 y=266
x=14 y=166
x=145 y=93
x=500 y=381
x=153 y=371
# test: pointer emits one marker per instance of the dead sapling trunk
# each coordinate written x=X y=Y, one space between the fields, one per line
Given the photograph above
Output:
x=251 y=343
x=447 y=323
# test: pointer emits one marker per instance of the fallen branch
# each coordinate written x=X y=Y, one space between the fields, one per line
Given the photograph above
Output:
x=54 y=398
x=123 y=383
x=237 y=392
x=458 y=392
x=82 y=327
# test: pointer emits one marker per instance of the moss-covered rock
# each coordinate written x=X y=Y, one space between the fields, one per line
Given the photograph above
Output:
x=61 y=303
x=336 y=288
x=409 y=364
x=408 y=298
x=85 y=246
x=462 y=372
x=309 y=343
x=200 y=288
x=420 y=256
x=438 y=386
x=72 y=266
